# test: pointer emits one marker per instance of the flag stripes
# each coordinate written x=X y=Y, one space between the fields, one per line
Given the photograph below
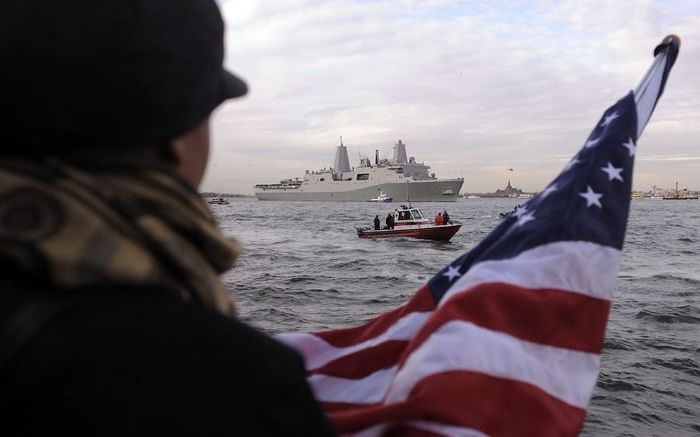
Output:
x=576 y=266
x=554 y=317
x=484 y=401
x=566 y=374
x=502 y=322
x=318 y=352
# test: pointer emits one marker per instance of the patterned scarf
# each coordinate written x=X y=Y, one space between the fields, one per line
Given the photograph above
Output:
x=125 y=225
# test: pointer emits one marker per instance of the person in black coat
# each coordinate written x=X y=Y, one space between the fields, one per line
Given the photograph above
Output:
x=445 y=217
x=113 y=319
x=377 y=223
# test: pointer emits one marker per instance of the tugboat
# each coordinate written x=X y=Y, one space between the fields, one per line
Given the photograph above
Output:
x=410 y=222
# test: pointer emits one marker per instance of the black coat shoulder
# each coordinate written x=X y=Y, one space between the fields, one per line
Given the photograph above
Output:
x=136 y=362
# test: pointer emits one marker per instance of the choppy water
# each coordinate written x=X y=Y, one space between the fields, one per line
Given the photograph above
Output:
x=304 y=269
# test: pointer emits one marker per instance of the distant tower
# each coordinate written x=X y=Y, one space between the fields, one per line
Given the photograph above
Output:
x=400 y=153
x=342 y=163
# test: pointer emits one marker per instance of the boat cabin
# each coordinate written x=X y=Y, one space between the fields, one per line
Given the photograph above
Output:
x=406 y=216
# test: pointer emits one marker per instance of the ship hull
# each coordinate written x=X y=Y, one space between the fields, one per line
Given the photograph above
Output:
x=440 y=190
x=431 y=232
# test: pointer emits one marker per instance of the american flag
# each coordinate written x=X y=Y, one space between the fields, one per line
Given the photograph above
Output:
x=505 y=340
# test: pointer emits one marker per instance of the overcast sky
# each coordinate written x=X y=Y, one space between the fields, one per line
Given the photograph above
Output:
x=473 y=88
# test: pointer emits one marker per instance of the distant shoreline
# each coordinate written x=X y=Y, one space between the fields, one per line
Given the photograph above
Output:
x=209 y=194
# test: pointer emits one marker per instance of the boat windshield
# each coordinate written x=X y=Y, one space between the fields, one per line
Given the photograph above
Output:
x=417 y=215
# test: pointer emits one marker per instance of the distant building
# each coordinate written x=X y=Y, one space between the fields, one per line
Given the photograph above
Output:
x=508 y=191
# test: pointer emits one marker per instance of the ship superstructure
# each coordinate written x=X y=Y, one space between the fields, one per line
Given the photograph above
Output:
x=401 y=178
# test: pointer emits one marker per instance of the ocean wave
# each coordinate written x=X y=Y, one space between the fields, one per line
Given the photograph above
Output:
x=654 y=343
x=301 y=279
x=618 y=344
x=685 y=365
x=353 y=264
x=665 y=277
x=314 y=291
x=647 y=417
x=611 y=384
x=283 y=241
x=682 y=314
x=417 y=265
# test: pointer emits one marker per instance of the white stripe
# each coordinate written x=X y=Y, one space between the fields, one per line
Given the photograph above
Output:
x=372 y=431
x=577 y=266
x=565 y=374
x=647 y=92
x=318 y=352
x=368 y=390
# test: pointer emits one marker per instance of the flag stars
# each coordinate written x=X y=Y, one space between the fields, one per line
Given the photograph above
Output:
x=524 y=218
x=571 y=163
x=592 y=142
x=452 y=273
x=609 y=118
x=520 y=211
x=592 y=198
x=612 y=172
x=631 y=147
x=549 y=190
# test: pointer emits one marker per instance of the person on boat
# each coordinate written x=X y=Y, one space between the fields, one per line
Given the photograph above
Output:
x=377 y=223
x=389 y=221
x=113 y=319
x=445 y=218
x=438 y=219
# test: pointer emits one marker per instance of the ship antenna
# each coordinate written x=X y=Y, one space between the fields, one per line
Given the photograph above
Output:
x=408 y=199
x=379 y=191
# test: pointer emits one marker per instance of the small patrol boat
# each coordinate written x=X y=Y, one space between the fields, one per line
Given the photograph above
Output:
x=410 y=222
x=382 y=197
x=505 y=215
x=217 y=201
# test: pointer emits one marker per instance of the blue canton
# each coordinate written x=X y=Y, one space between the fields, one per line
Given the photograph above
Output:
x=588 y=201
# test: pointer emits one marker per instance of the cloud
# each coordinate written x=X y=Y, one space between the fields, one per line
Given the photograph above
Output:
x=471 y=87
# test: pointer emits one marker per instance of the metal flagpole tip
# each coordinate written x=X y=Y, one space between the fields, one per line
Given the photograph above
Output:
x=668 y=40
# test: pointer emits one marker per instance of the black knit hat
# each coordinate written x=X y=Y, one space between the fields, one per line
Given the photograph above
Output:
x=108 y=73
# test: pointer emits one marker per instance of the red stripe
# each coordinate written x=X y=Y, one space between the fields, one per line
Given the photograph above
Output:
x=365 y=361
x=421 y=301
x=495 y=406
x=552 y=317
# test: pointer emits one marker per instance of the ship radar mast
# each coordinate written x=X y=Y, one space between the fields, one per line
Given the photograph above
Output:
x=342 y=163
x=399 y=153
